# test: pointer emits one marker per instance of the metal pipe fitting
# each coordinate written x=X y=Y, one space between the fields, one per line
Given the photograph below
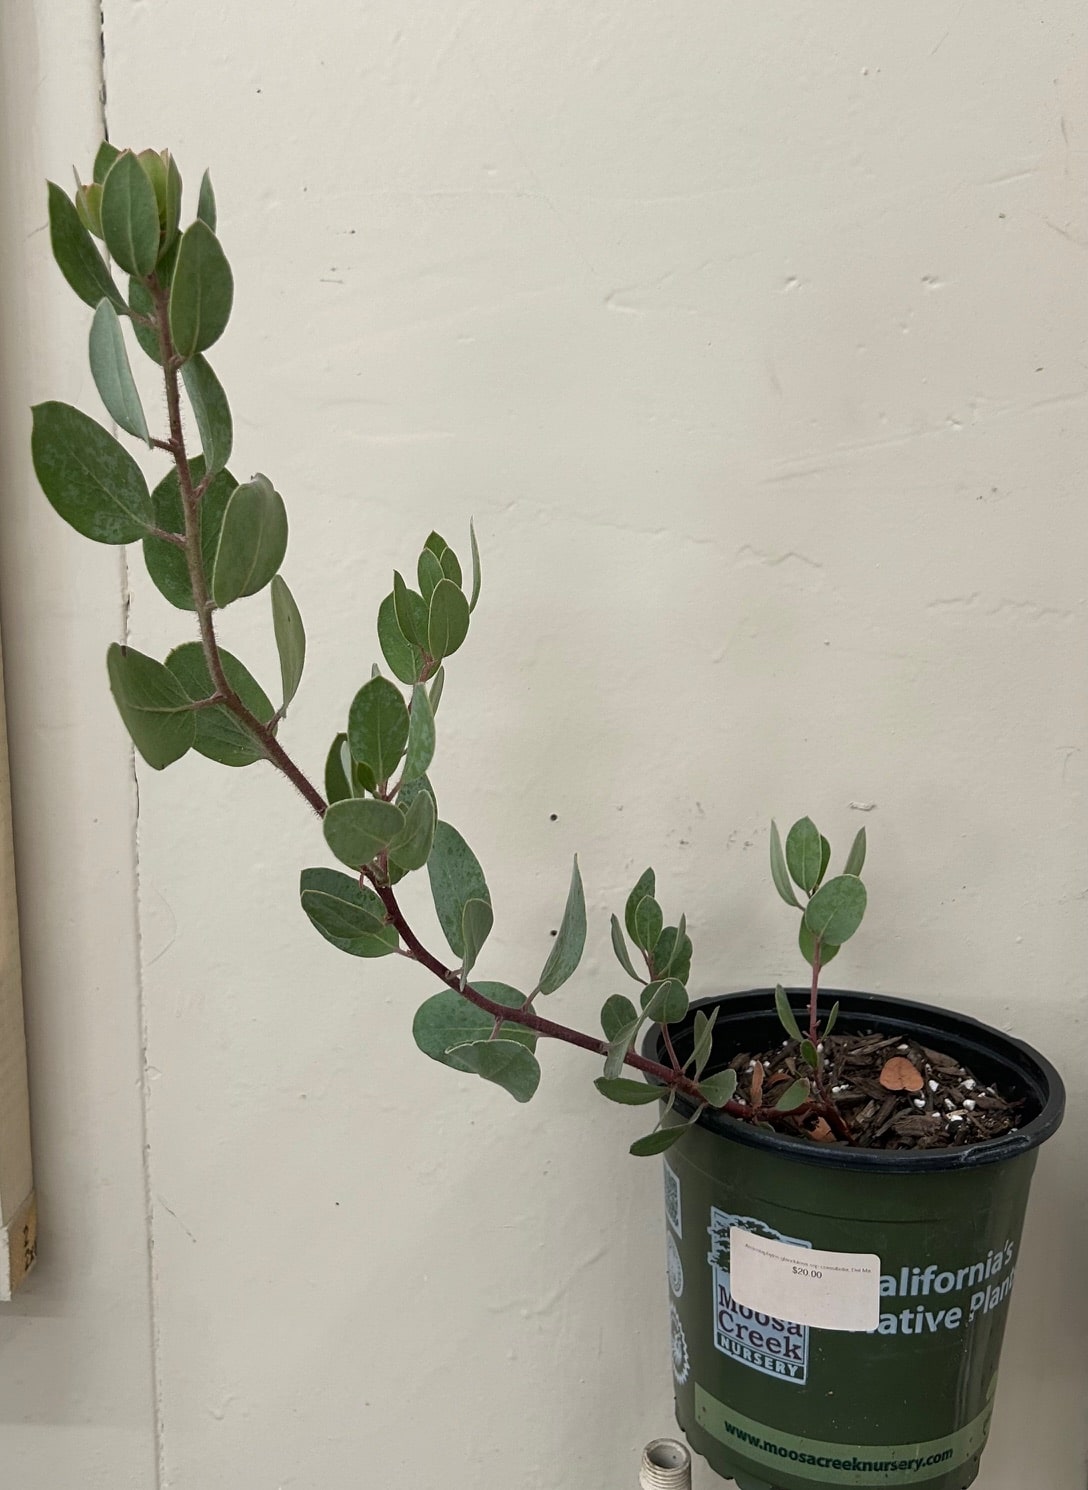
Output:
x=666 y=1465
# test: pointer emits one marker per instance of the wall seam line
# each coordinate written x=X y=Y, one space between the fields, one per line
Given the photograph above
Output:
x=155 y=1341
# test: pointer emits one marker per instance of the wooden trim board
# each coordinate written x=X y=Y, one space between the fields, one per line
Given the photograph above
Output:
x=18 y=1215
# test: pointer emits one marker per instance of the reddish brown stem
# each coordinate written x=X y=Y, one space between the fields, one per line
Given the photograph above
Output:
x=202 y=601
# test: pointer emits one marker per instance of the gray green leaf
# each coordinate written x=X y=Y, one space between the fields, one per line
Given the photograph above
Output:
x=672 y=955
x=346 y=914
x=649 y=923
x=219 y=735
x=786 y=1017
x=804 y=852
x=703 y=1040
x=720 y=1088
x=619 y=946
x=105 y=157
x=89 y=478
x=795 y=1095
x=357 y=831
x=210 y=410
x=252 y=541
x=779 y=873
x=855 y=859
x=153 y=705
x=475 y=568
x=477 y=919
x=112 y=372
x=420 y=750
x=617 y=1014
x=405 y=660
x=447 y=619
x=570 y=941
x=77 y=255
x=618 y=1048
x=447 y=1020
x=836 y=910
x=205 y=203
x=201 y=292
x=438 y=682
x=665 y=1001
x=428 y=573
x=646 y=885
x=166 y=563
x=658 y=1141
x=807 y=943
x=378 y=727
x=412 y=846
x=456 y=878
x=411 y=612
x=507 y=1063
x=832 y=1019
x=130 y=216
x=290 y=639
x=629 y=1093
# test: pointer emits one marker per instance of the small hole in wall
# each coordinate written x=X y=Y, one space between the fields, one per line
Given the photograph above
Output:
x=554 y=817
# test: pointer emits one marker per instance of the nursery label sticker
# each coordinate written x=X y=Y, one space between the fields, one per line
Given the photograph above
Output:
x=823 y=1290
x=758 y=1340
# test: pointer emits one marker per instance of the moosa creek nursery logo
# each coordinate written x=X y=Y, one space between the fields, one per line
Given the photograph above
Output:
x=928 y=1300
x=774 y=1346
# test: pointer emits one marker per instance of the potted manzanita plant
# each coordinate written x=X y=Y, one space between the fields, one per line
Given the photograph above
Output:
x=844 y=1190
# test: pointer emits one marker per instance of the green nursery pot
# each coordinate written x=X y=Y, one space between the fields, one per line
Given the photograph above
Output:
x=776 y=1405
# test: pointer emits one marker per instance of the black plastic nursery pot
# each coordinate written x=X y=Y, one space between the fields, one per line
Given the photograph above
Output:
x=778 y=1405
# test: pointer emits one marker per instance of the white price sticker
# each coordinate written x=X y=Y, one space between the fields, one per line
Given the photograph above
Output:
x=825 y=1290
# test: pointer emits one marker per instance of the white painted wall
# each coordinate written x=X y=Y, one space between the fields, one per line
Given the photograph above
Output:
x=753 y=337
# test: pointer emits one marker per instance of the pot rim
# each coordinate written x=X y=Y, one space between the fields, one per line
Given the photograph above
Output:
x=959 y=1034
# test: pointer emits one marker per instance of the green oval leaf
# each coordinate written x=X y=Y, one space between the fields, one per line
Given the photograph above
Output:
x=421 y=740
x=205 y=202
x=832 y=1019
x=807 y=943
x=795 y=1095
x=617 y=1014
x=649 y=923
x=630 y=1093
x=779 y=873
x=252 y=541
x=672 y=955
x=155 y=708
x=446 y=557
x=112 y=372
x=438 y=682
x=412 y=846
x=357 y=831
x=290 y=639
x=428 y=573
x=352 y=918
x=804 y=852
x=447 y=1021
x=219 y=735
x=569 y=944
x=456 y=878
x=507 y=1063
x=825 y=858
x=404 y=659
x=130 y=216
x=166 y=563
x=477 y=919
x=378 y=727
x=835 y=912
x=665 y=1002
x=855 y=859
x=619 y=946
x=337 y=785
x=646 y=885
x=76 y=254
x=411 y=612
x=703 y=1039
x=210 y=410
x=475 y=568
x=201 y=292
x=447 y=619
x=89 y=478
x=810 y=1055
x=658 y=1141
x=786 y=1017
x=720 y=1088
x=104 y=158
